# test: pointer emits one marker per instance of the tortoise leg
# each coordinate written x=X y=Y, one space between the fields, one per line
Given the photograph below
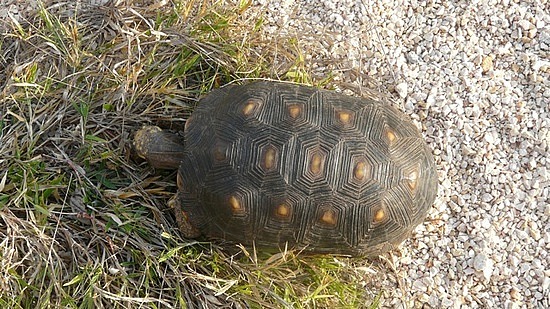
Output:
x=187 y=227
x=161 y=149
x=182 y=219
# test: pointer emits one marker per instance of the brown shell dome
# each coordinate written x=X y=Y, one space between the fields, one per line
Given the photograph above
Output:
x=272 y=163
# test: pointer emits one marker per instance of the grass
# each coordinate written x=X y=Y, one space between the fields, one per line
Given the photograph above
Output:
x=83 y=224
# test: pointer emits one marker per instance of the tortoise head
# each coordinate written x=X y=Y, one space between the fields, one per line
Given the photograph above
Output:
x=160 y=148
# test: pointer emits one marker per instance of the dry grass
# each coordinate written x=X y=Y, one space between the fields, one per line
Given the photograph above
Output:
x=85 y=225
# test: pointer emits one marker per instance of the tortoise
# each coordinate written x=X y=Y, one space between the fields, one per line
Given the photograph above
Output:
x=280 y=165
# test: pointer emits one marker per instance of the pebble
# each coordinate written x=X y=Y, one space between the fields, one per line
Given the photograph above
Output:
x=401 y=89
x=486 y=197
x=515 y=293
x=525 y=24
x=487 y=64
x=483 y=264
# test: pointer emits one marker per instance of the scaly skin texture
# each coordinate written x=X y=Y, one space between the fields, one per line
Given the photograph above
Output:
x=161 y=149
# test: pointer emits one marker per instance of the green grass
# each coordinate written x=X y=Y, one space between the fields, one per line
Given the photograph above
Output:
x=83 y=224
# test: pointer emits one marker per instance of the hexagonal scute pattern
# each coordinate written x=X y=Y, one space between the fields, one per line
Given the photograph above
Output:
x=275 y=164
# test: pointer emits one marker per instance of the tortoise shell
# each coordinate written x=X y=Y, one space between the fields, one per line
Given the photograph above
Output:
x=275 y=164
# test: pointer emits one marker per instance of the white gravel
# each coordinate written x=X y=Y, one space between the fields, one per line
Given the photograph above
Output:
x=476 y=74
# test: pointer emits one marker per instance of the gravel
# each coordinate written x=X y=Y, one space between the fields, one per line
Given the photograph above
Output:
x=475 y=77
